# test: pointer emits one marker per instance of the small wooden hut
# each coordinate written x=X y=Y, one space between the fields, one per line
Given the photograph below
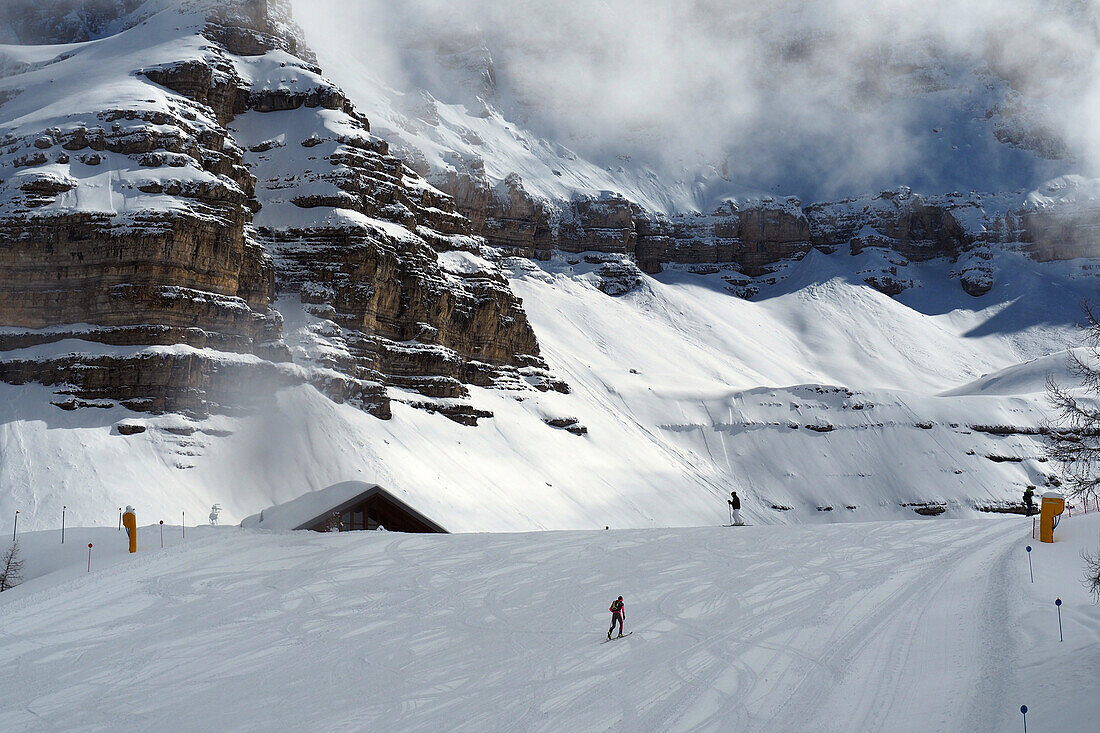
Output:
x=373 y=508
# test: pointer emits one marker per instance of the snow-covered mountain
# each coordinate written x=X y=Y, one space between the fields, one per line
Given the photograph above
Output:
x=243 y=260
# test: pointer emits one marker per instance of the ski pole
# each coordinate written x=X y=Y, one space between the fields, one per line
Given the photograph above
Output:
x=183 y=516
x=1030 y=569
x=63 y=524
x=1023 y=711
x=16 y=527
x=89 y=557
x=162 y=534
x=120 y=519
x=1058 y=605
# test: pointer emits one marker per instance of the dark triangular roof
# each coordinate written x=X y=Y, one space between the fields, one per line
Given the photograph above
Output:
x=308 y=510
x=372 y=492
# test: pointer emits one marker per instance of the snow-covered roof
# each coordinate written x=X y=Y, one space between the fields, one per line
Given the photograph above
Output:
x=306 y=509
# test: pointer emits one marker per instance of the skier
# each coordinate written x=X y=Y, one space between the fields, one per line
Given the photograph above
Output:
x=1029 y=501
x=618 y=613
x=735 y=508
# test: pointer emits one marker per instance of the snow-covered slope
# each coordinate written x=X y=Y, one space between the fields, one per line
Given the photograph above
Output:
x=894 y=626
x=821 y=392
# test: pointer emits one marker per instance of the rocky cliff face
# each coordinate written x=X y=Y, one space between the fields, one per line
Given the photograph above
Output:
x=190 y=181
x=43 y=22
x=751 y=238
x=235 y=174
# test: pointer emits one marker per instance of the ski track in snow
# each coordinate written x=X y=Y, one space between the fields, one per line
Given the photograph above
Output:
x=900 y=626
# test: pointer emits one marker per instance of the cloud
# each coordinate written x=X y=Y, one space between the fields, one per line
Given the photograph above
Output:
x=820 y=98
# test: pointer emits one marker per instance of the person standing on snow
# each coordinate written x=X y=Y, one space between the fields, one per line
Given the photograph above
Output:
x=1029 y=501
x=618 y=614
x=735 y=508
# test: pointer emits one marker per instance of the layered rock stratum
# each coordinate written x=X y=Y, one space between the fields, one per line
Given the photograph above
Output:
x=172 y=206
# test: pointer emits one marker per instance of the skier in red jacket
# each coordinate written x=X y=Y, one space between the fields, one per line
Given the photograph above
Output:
x=618 y=613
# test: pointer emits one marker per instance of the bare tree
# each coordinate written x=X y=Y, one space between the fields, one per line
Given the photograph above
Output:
x=1092 y=573
x=1075 y=433
x=11 y=568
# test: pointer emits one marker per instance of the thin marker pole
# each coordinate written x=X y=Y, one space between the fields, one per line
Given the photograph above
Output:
x=16 y=527
x=120 y=519
x=63 y=524
x=184 y=516
x=162 y=534
x=89 y=557
x=1058 y=604
x=1030 y=569
x=1023 y=711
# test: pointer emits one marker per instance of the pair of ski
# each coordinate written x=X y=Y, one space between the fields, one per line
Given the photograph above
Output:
x=620 y=636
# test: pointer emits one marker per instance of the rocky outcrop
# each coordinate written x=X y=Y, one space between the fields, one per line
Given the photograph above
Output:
x=911 y=225
x=42 y=22
x=180 y=380
x=1063 y=232
x=179 y=272
x=750 y=238
x=163 y=256
x=403 y=320
x=410 y=298
x=254 y=28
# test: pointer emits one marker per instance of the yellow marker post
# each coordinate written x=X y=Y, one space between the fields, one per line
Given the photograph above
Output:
x=129 y=521
x=1053 y=505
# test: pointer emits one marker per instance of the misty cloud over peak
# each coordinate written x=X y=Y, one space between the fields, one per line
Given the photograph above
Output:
x=821 y=98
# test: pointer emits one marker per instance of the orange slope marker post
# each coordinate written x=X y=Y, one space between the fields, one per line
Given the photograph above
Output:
x=129 y=521
x=1052 y=507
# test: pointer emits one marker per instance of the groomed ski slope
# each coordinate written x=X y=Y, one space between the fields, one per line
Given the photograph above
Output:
x=888 y=626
